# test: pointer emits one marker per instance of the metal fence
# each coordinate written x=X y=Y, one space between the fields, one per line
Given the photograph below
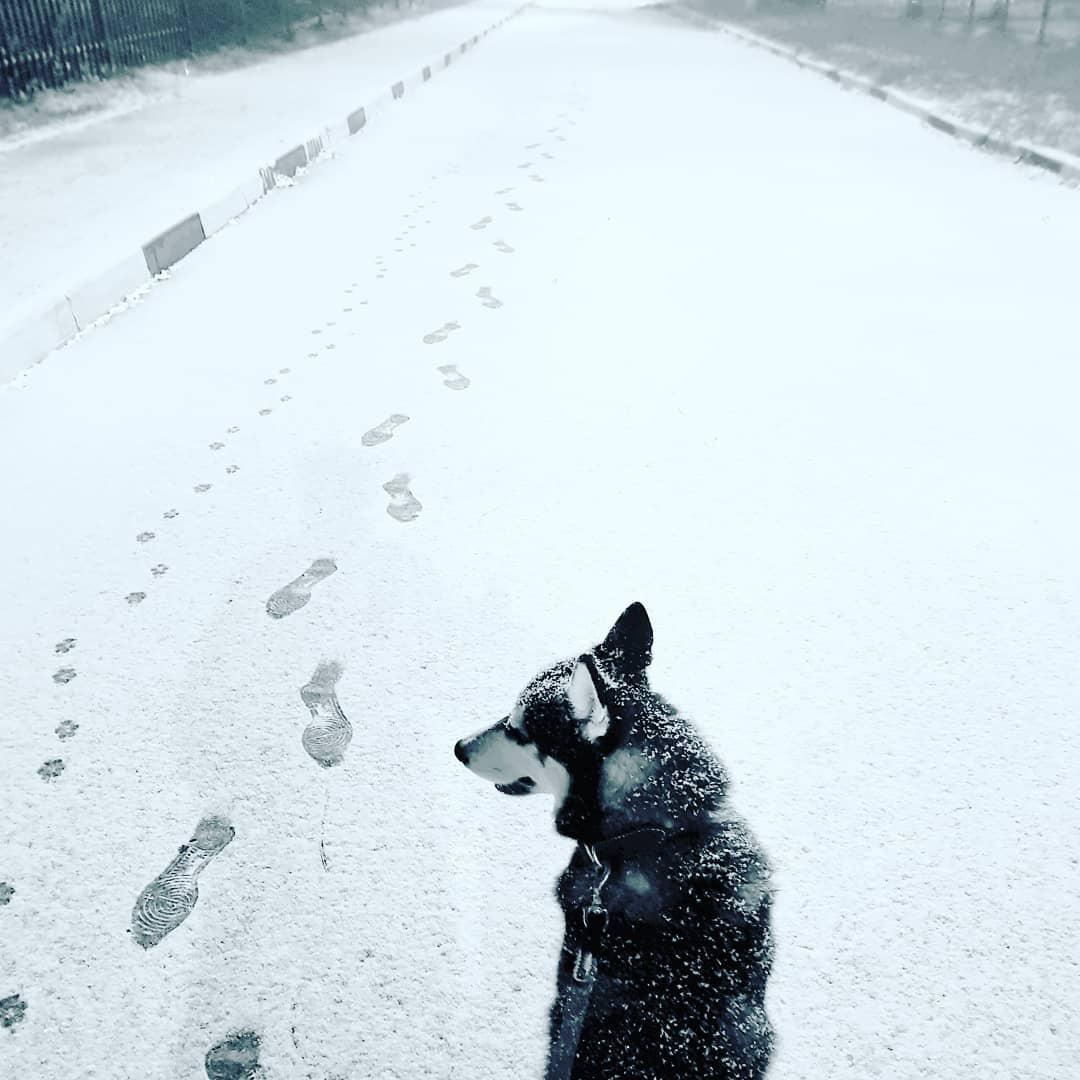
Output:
x=47 y=43
x=1047 y=22
x=1040 y=20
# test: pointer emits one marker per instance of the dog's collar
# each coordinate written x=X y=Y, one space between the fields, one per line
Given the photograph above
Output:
x=600 y=852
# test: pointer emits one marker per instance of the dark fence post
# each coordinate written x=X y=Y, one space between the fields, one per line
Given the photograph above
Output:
x=1041 y=39
x=7 y=59
x=185 y=18
x=98 y=22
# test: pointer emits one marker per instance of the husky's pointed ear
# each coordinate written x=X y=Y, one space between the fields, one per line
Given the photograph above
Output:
x=627 y=649
x=585 y=705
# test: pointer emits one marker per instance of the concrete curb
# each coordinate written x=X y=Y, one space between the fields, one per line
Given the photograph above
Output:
x=1064 y=165
x=33 y=339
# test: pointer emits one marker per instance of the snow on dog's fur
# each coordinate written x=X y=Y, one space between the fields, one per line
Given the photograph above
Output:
x=672 y=986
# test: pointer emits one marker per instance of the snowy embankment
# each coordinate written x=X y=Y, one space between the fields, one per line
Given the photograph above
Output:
x=76 y=204
x=633 y=312
x=1008 y=85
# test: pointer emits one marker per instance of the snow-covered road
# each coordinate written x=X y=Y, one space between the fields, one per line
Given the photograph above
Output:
x=791 y=369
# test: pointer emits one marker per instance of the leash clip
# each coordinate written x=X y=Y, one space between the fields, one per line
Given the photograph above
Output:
x=594 y=918
x=584 y=966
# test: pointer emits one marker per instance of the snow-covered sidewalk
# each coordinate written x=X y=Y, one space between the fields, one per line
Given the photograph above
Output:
x=75 y=204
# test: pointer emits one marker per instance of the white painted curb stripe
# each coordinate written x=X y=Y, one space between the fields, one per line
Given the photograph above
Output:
x=90 y=300
x=32 y=340
x=37 y=337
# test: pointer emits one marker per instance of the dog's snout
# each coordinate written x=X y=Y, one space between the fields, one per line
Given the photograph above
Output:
x=460 y=752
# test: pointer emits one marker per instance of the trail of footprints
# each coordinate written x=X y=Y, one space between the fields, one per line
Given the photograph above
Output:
x=166 y=902
x=404 y=506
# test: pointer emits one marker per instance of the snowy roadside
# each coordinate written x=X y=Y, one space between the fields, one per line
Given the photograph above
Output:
x=54 y=113
x=994 y=81
x=73 y=205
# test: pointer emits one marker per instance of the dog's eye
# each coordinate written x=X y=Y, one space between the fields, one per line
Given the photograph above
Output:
x=515 y=733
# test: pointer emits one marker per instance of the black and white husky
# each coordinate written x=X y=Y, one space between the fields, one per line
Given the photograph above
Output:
x=666 y=899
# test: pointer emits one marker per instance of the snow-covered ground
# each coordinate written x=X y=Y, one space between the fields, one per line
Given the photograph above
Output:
x=165 y=144
x=793 y=370
x=994 y=80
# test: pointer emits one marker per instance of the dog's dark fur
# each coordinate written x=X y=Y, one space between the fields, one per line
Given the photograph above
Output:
x=682 y=966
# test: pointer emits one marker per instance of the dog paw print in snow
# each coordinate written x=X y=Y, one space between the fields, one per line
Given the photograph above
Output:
x=12 y=1010
x=51 y=769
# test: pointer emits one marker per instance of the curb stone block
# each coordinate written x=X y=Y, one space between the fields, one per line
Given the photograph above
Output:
x=1068 y=165
x=940 y=124
x=1036 y=157
x=356 y=120
x=290 y=161
x=173 y=244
